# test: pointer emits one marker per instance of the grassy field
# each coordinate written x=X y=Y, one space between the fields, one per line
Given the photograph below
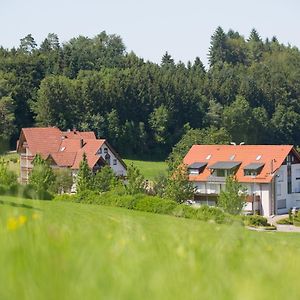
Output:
x=52 y=250
x=13 y=161
x=149 y=169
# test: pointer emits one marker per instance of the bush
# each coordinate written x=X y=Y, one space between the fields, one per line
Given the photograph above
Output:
x=206 y=213
x=285 y=221
x=184 y=211
x=64 y=197
x=203 y=213
x=155 y=205
x=256 y=221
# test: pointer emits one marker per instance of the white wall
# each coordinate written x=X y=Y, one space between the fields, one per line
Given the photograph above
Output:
x=257 y=189
x=281 y=192
x=118 y=168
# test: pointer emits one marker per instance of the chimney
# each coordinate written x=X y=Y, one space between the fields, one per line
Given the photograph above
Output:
x=272 y=166
x=81 y=143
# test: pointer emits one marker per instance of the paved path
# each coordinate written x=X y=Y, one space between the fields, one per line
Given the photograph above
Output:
x=282 y=228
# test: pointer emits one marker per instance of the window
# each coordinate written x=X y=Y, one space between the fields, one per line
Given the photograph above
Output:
x=250 y=172
x=107 y=159
x=281 y=204
x=297 y=174
x=105 y=150
x=223 y=172
x=193 y=171
x=289 y=178
x=99 y=151
x=297 y=187
x=114 y=162
x=219 y=173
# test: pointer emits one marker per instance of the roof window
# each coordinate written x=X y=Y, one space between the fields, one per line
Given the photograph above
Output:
x=208 y=156
x=258 y=157
x=62 y=149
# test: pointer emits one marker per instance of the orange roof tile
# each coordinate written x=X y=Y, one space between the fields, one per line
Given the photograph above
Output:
x=74 y=134
x=65 y=148
x=272 y=156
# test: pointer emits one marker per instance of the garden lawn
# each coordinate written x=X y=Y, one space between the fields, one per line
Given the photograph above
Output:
x=61 y=250
x=150 y=169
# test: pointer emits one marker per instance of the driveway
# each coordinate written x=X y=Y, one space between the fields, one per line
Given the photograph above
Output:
x=282 y=228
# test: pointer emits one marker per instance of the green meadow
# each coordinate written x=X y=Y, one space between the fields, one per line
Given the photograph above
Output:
x=150 y=169
x=61 y=250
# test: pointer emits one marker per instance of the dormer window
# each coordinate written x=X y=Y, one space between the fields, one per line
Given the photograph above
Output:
x=253 y=169
x=224 y=168
x=196 y=168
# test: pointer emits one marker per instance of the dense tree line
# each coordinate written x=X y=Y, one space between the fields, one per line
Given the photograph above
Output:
x=251 y=91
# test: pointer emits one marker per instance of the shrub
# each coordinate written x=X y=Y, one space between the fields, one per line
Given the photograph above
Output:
x=206 y=213
x=135 y=181
x=184 y=211
x=285 y=221
x=178 y=186
x=256 y=221
x=64 y=197
x=104 y=179
x=155 y=205
x=232 y=199
x=41 y=177
x=126 y=201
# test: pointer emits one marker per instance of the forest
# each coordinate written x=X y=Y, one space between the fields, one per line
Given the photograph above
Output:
x=250 y=92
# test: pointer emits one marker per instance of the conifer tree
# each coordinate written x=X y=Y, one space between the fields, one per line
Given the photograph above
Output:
x=218 y=49
x=84 y=177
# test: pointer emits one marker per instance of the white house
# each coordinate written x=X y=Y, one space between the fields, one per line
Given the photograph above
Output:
x=65 y=150
x=270 y=174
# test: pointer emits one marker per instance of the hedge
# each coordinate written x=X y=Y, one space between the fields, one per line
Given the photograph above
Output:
x=148 y=203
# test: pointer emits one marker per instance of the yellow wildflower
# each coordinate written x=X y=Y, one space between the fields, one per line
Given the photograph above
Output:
x=22 y=220
x=12 y=223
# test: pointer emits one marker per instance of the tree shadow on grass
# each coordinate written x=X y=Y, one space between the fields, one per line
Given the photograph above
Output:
x=22 y=205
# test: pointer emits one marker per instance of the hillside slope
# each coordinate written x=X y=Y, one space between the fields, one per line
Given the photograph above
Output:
x=54 y=250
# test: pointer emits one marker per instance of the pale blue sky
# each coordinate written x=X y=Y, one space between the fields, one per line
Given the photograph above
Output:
x=149 y=28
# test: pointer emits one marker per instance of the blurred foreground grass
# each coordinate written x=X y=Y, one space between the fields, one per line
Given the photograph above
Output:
x=53 y=250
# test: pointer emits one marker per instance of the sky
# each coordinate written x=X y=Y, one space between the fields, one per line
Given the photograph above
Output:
x=150 y=28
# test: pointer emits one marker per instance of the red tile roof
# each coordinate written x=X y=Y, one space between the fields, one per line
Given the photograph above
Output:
x=74 y=134
x=65 y=148
x=272 y=156
x=42 y=140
